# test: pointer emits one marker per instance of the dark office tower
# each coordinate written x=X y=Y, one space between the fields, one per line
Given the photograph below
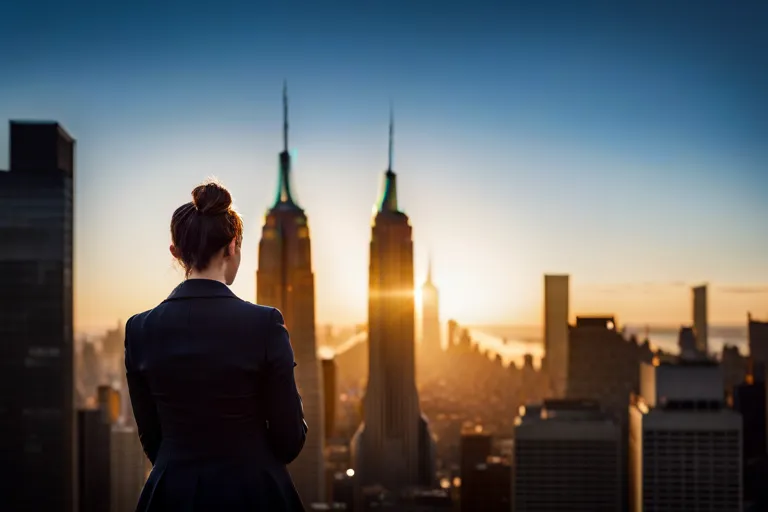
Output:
x=686 y=341
x=605 y=368
x=330 y=395
x=431 y=346
x=749 y=399
x=758 y=346
x=494 y=492
x=736 y=368
x=285 y=280
x=392 y=446
x=93 y=446
x=602 y=365
x=36 y=338
x=474 y=451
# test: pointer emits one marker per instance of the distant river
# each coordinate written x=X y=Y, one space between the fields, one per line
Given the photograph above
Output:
x=521 y=340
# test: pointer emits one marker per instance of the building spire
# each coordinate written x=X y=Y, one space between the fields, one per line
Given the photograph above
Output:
x=285 y=116
x=283 y=198
x=391 y=136
x=388 y=200
x=429 y=269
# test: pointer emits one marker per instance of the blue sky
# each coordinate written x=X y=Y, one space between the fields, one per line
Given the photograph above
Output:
x=621 y=145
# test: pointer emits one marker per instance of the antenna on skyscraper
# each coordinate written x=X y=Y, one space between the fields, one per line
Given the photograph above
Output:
x=391 y=135
x=285 y=116
x=429 y=267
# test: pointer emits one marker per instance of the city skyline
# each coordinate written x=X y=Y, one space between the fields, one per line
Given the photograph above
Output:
x=531 y=143
x=518 y=253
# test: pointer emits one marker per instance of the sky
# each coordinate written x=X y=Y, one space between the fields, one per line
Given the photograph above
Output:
x=623 y=146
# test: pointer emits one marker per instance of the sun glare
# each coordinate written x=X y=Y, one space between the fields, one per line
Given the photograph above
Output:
x=326 y=352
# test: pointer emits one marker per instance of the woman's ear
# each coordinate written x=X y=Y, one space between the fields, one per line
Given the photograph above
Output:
x=232 y=247
x=174 y=251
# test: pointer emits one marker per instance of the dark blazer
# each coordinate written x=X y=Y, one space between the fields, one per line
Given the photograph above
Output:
x=215 y=400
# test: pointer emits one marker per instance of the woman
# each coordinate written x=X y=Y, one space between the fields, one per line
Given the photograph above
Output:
x=211 y=378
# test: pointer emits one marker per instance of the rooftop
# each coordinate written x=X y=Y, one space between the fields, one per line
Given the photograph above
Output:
x=569 y=410
x=32 y=122
x=693 y=360
x=602 y=322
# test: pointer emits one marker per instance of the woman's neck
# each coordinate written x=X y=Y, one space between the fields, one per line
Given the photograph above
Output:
x=208 y=273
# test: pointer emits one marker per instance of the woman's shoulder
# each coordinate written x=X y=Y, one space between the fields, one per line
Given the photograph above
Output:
x=244 y=313
x=262 y=312
x=136 y=321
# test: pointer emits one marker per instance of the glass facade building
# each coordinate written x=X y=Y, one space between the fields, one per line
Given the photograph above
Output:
x=36 y=309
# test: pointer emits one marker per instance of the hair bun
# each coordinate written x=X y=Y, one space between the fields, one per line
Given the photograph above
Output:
x=211 y=198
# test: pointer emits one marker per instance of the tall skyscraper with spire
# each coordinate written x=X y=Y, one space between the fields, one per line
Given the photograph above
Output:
x=284 y=280
x=430 y=313
x=393 y=446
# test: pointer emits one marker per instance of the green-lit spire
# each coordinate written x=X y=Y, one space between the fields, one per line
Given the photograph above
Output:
x=388 y=200
x=284 y=197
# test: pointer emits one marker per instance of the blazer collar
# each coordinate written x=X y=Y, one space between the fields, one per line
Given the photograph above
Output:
x=201 y=288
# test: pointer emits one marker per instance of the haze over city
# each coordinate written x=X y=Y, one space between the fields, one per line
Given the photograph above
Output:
x=530 y=141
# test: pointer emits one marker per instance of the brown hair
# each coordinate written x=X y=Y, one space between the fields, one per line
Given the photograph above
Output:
x=201 y=228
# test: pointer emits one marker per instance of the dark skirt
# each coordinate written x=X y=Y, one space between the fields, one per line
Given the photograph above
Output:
x=231 y=484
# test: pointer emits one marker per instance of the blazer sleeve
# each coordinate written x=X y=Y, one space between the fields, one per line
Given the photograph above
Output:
x=142 y=402
x=286 y=427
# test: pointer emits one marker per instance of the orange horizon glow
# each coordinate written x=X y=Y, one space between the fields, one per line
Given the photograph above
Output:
x=458 y=302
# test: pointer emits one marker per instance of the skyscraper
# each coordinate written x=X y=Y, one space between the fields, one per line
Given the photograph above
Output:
x=700 y=318
x=556 y=331
x=686 y=341
x=757 y=331
x=749 y=399
x=604 y=367
x=284 y=280
x=393 y=446
x=36 y=337
x=430 y=312
x=685 y=445
x=567 y=457
x=127 y=468
x=329 y=395
x=474 y=450
x=94 y=467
